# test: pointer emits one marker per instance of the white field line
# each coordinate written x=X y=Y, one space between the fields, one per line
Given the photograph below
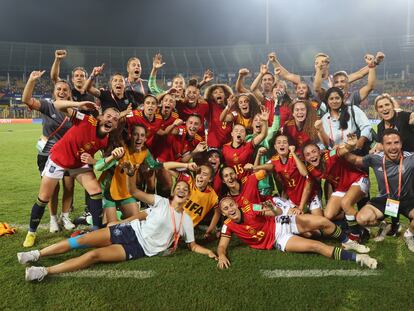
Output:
x=110 y=274
x=317 y=273
x=45 y=227
x=19 y=131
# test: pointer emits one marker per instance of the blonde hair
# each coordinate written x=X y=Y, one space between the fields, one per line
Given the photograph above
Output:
x=387 y=96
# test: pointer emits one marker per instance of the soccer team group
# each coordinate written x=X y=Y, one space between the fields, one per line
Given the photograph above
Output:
x=256 y=162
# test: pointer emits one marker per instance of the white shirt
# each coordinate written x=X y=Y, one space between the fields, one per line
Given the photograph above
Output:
x=156 y=233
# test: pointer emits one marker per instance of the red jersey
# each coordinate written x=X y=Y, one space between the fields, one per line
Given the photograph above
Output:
x=249 y=193
x=337 y=171
x=179 y=144
x=218 y=132
x=284 y=113
x=300 y=137
x=255 y=230
x=159 y=143
x=80 y=138
x=293 y=182
x=238 y=157
x=217 y=182
x=201 y=109
x=269 y=103
x=138 y=117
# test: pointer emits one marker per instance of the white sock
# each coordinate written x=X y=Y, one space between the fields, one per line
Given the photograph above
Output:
x=408 y=233
x=53 y=217
x=65 y=215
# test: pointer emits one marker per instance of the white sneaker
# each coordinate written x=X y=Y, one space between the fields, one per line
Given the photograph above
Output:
x=352 y=245
x=53 y=225
x=365 y=260
x=35 y=273
x=67 y=223
x=383 y=229
x=410 y=242
x=25 y=257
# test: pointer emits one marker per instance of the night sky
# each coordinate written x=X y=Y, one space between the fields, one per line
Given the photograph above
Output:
x=196 y=22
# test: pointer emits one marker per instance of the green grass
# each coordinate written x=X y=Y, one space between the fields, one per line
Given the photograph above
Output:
x=185 y=281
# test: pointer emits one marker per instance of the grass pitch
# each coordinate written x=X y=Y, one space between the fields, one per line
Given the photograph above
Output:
x=185 y=281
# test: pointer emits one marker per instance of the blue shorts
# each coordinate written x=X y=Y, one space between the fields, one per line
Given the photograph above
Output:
x=124 y=235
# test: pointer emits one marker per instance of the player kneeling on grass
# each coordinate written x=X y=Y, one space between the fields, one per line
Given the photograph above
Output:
x=148 y=233
x=394 y=170
x=86 y=136
x=271 y=227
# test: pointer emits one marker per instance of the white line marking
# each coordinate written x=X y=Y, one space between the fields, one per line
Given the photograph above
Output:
x=21 y=131
x=110 y=274
x=46 y=227
x=271 y=274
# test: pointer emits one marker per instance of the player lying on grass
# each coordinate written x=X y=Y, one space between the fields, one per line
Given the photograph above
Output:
x=149 y=233
x=267 y=228
x=86 y=136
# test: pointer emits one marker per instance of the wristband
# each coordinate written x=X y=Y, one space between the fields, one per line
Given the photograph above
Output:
x=92 y=77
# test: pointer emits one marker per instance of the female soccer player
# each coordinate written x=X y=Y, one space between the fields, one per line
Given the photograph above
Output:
x=300 y=189
x=218 y=131
x=84 y=138
x=301 y=127
x=114 y=180
x=238 y=152
x=268 y=228
x=149 y=233
x=349 y=185
x=55 y=125
x=242 y=113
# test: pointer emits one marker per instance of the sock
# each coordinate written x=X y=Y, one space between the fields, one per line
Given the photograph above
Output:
x=341 y=254
x=54 y=217
x=339 y=234
x=352 y=224
x=408 y=233
x=36 y=215
x=65 y=215
x=95 y=208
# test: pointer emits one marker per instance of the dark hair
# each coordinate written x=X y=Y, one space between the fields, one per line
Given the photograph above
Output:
x=210 y=168
x=193 y=82
x=208 y=94
x=194 y=115
x=344 y=115
x=224 y=188
x=254 y=106
x=311 y=117
x=272 y=151
x=150 y=95
x=390 y=131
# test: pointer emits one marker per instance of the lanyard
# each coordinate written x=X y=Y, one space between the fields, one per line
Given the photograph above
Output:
x=331 y=134
x=176 y=233
x=387 y=187
x=116 y=101
x=132 y=88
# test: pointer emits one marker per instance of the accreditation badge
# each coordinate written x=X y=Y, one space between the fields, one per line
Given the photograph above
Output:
x=257 y=207
x=391 y=207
